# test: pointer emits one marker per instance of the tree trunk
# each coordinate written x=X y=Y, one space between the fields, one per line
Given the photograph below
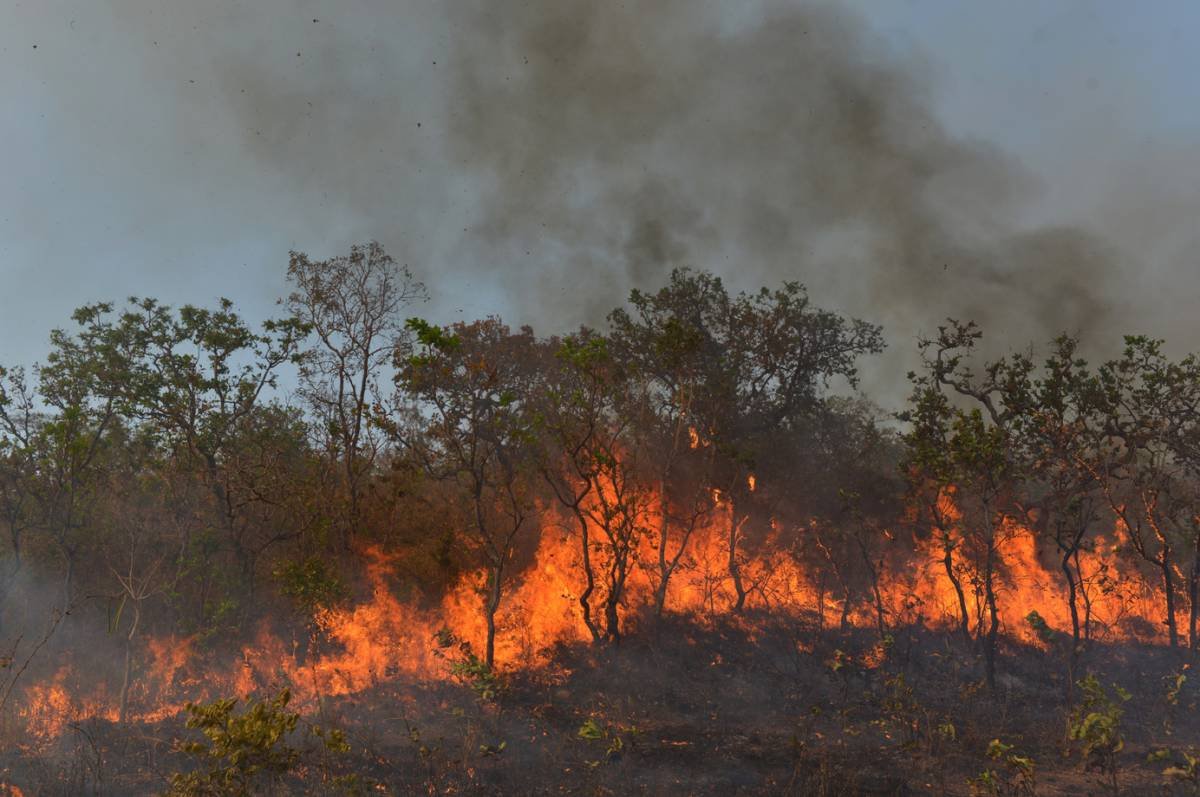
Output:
x=1076 y=635
x=589 y=575
x=964 y=621
x=1164 y=564
x=618 y=573
x=612 y=618
x=735 y=572
x=1072 y=602
x=490 y=609
x=1087 y=600
x=989 y=648
x=821 y=601
x=123 y=713
x=664 y=571
x=68 y=582
x=876 y=592
x=880 y=616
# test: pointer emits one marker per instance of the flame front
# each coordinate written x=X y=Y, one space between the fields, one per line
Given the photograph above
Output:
x=384 y=638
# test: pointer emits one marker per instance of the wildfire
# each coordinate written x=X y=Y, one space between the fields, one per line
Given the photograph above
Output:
x=385 y=637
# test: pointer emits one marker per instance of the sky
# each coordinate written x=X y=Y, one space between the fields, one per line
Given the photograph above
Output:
x=1030 y=164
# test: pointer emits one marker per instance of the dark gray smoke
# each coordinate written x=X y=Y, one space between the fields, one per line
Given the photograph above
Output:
x=621 y=140
x=582 y=149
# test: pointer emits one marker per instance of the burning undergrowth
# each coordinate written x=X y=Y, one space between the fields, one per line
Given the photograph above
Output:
x=753 y=706
x=794 y=693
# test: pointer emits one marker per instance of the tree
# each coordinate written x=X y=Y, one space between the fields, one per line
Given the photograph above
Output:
x=930 y=476
x=19 y=425
x=1055 y=437
x=141 y=532
x=198 y=376
x=81 y=385
x=474 y=383
x=1140 y=398
x=664 y=357
x=1182 y=437
x=849 y=463
x=596 y=464
x=754 y=364
x=1060 y=439
x=972 y=452
x=353 y=304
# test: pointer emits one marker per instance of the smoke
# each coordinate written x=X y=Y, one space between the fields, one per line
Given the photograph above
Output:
x=620 y=141
x=540 y=159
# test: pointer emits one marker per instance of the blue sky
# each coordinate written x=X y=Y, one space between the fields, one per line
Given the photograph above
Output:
x=140 y=159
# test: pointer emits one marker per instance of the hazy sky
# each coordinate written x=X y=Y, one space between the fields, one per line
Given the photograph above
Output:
x=538 y=159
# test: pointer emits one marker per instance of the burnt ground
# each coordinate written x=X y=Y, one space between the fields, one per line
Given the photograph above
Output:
x=751 y=707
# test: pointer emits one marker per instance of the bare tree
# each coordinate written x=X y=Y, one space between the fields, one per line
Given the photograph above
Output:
x=353 y=304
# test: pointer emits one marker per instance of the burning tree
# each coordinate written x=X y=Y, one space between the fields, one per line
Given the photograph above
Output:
x=596 y=465
x=475 y=381
x=1053 y=440
x=1147 y=407
x=850 y=463
x=1058 y=438
x=743 y=369
x=974 y=454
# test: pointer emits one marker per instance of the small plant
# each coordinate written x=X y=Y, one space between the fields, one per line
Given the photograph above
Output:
x=245 y=753
x=248 y=752
x=590 y=730
x=593 y=731
x=903 y=711
x=1184 y=769
x=1016 y=779
x=838 y=661
x=1175 y=685
x=486 y=750
x=467 y=667
x=1040 y=627
x=1096 y=725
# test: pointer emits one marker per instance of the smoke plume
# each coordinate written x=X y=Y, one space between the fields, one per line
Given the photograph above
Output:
x=542 y=158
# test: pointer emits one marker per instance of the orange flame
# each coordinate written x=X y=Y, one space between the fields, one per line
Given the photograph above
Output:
x=384 y=637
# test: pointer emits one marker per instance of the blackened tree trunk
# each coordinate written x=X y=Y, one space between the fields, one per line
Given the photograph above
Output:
x=1165 y=565
x=589 y=575
x=1072 y=602
x=491 y=607
x=989 y=586
x=736 y=521
x=964 y=618
x=1085 y=599
x=123 y=713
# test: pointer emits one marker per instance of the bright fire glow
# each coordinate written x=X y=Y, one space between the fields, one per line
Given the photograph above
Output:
x=384 y=637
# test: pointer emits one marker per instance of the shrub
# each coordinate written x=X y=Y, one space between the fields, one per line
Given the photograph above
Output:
x=245 y=753
x=1096 y=725
x=1016 y=779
